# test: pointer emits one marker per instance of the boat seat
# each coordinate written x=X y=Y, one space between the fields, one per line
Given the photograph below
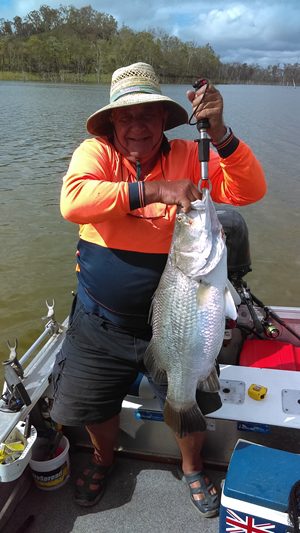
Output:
x=270 y=354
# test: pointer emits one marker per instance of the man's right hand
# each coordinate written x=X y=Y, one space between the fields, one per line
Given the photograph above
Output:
x=181 y=193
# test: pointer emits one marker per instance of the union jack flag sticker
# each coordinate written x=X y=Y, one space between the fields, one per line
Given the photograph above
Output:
x=248 y=524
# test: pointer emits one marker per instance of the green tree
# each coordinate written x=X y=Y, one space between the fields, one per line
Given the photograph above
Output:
x=55 y=43
x=5 y=27
x=88 y=23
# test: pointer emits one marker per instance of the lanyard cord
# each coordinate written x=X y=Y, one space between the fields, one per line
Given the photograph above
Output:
x=139 y=169
x=197 y=85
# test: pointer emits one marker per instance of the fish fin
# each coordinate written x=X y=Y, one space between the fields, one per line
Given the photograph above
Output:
x=211 y=383
x=235 y=295
x=230 y=307
x=203 y=293
x=185 y=420
x=158 y=374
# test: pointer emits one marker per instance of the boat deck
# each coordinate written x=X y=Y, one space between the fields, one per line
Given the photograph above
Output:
x=146 y=496
x=141 y=497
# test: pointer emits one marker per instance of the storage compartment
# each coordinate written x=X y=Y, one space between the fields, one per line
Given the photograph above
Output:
x=10 y=471
x=256 y=491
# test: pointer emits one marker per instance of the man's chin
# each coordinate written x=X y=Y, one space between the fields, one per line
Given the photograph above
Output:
x=139 y=155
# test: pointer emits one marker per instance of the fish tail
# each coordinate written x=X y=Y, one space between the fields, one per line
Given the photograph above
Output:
x=211 y=383
x=158 y=374
x=184 y=420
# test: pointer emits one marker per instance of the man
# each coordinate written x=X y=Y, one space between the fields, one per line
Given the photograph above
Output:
x=123 y=187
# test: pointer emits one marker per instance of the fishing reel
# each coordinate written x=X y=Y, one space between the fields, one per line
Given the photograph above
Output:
x=270 y=329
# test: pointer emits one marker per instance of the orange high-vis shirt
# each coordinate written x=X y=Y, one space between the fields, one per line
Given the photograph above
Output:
x=123 y=246
x=95 y=192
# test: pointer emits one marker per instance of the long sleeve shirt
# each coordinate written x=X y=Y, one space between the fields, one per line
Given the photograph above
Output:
x=123 y=246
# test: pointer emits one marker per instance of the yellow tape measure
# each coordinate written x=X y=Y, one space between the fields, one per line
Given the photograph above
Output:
x=257 y=392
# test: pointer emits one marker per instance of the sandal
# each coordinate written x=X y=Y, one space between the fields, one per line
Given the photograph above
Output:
x=208 y=506
x=90 y=486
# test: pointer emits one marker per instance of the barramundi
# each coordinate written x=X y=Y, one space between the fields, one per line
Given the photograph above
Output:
x=189 y=309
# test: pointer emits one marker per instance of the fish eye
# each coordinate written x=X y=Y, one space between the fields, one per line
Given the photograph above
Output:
x=184 y=219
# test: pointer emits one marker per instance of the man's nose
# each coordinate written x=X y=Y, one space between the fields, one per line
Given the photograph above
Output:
x=138 y=118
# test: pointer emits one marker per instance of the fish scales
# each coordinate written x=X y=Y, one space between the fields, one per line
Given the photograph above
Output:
x=188 y=315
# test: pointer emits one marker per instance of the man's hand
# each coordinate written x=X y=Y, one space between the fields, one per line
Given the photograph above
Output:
x=211 y=107
x=181 y=193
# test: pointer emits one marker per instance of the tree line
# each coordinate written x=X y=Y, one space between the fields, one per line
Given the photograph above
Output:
x=70 y=44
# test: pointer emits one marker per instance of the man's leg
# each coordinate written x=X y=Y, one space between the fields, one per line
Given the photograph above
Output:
x=104 y=437
x=91 y=483
x=191 y=447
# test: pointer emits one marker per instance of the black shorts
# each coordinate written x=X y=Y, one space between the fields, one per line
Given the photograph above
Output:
x=96 y=367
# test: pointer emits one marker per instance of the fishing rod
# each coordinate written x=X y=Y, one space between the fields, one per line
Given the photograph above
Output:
x=270 y=313
x=204 y=152
x=204 y=140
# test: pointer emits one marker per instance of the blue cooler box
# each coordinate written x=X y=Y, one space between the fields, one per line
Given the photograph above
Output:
x=256 y=491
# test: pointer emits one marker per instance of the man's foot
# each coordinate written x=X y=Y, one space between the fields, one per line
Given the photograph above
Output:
x=204 y=494
x=91 y=484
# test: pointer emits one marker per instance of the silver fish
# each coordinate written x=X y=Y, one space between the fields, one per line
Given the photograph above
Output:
x=188 y=315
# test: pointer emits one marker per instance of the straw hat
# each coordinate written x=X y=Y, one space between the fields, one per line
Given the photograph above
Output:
x=132 y=85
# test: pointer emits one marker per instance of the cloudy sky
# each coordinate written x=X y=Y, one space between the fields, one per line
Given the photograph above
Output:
x=266 y=32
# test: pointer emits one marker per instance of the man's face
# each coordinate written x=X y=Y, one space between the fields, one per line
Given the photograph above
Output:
x=138 y=130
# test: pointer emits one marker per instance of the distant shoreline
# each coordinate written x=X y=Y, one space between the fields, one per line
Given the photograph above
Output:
x=92 y=78
x=63 y=77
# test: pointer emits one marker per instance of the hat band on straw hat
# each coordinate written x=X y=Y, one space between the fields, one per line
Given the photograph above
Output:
x=133 y=89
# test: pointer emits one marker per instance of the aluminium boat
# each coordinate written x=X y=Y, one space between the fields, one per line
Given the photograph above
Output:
x=260 y=390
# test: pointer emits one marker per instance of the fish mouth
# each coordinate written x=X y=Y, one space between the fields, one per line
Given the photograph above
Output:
x=182 y=217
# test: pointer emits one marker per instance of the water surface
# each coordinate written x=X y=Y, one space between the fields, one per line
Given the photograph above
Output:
x=42 y=124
